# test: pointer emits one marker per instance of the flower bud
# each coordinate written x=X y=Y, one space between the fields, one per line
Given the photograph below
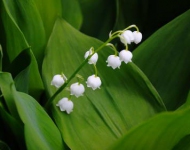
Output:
x=58 y=80
x=113 y=61
x=77 y=89
x=65 y=105
x=125 y=56
x=94 y=82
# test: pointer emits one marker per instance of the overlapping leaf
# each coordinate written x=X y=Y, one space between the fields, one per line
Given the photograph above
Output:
x=26 y=75
x=19 y=29
x=163 y=131
x=39 y=130
x=125 y=99
x=164 y=58
x=72 y=13
x=22 y=21
x=49 y=11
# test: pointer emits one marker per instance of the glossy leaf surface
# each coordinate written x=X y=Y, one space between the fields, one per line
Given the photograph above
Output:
x=22 y=21
x=163 y=131
x=125 y=99
x=39 y=130
x=164 y=58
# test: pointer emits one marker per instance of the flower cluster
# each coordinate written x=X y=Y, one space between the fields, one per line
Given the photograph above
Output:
x=126 y=37
x=77 y=89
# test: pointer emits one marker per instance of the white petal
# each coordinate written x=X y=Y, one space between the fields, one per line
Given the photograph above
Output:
x=93 y=59
x=58 y=80
x=113 y=61
x=125 y=56
x=127 y=37
x=77 y=89
x=65 y=105
x=137 y=37
x=94 y=82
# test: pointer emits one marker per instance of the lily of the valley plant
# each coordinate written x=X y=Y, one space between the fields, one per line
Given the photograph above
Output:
x=93 y=81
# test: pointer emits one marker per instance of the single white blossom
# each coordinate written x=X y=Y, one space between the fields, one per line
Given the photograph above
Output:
x=77 y=89
x=137 y=37
x=94 y=82
x=65 y=105
x=127 y=37
x=58 y=80
x=125 y=56
x=113 y=61
x=93 y=59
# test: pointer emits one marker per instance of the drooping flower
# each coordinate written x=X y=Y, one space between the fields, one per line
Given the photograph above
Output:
x=137 y=37
x=113 y=61
x=65 y=105
x=94 y=57
x=126 y=56
x=58 y=80
x=127 y=37
x=77 y=89
x=94 y=82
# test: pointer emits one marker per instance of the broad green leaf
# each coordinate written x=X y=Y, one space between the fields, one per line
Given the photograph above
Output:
x=98 y=17
x=5 y=80
x=39 y=130
x=163 y=131
x=22 y=21
x=49 y=12
x=26 y=75
x=72 y=12
x=125 y=99
x=164 y=58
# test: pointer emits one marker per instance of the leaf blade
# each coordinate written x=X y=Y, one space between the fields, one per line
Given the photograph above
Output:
x=172 y=87
x=164 y=131
x=121 y=92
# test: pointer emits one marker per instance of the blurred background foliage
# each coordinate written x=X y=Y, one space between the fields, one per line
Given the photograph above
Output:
x=30 y=30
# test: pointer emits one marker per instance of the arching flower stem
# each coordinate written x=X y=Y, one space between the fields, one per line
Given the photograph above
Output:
x=48 y=103
x=115 y=50
x=121 y=31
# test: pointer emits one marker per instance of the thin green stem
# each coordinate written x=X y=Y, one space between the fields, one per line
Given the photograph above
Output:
x=75 y=72
x=121 y=31
x=96 y=71
x=115 y=50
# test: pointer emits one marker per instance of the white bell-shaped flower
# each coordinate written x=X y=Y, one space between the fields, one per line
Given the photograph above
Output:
x=77 y=89
x=125 y=56
x=127 y=37
x=137 y=37
x=113 y=61
x=94 y=82
x=65 y=105
x=94 y=57
x=58 y=80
